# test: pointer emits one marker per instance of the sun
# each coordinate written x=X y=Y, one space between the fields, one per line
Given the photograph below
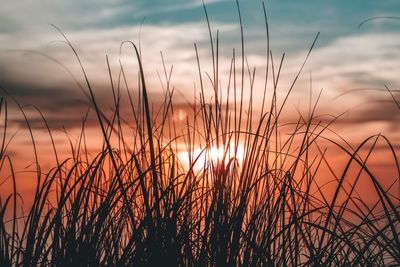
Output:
x=217 y=154
x=205 y=157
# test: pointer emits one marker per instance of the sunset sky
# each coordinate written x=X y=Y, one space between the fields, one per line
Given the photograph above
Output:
x=199 y=133
x=345 y=57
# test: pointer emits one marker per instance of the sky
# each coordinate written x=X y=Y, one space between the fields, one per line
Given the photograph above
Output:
x=351 y=64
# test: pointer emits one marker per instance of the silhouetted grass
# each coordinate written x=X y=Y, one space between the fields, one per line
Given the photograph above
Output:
x=137 y=204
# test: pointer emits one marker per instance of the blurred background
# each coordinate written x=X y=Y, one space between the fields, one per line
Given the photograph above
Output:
x=350 y=63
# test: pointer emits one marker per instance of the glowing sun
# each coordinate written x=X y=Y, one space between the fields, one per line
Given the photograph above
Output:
x=204 y=157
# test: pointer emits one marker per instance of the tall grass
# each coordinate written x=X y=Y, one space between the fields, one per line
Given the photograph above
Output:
x=137 y=204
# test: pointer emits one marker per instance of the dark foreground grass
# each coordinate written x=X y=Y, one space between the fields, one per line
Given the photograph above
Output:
x=137 y=204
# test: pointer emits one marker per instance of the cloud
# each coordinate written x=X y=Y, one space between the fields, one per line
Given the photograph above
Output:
x=363 y=61
x=339 y=64
x=366 y=60
x=45 y=83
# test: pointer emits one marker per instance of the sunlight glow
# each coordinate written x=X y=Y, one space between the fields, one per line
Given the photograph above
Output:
x=203 y=158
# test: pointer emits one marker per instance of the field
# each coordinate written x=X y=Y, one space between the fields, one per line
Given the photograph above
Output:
x=226 y=183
